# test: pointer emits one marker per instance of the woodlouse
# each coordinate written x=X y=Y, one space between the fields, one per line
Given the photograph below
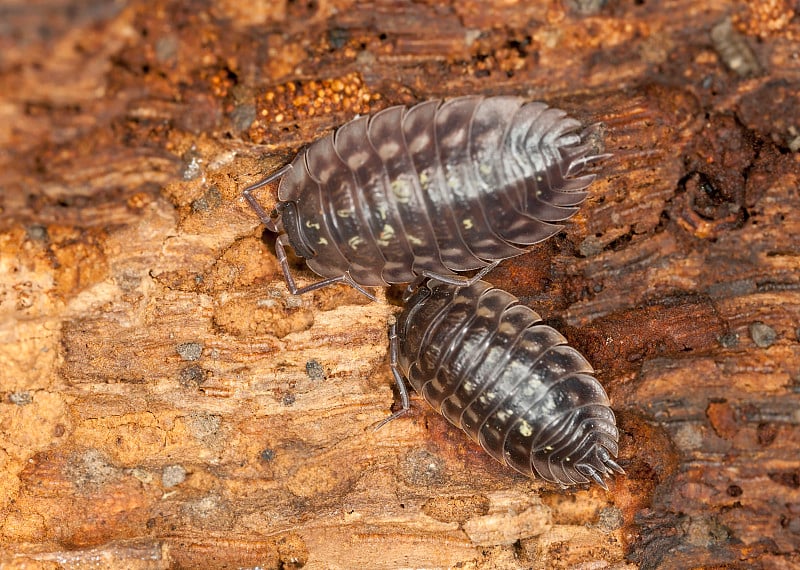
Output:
x=429 y=191
x=493 y=369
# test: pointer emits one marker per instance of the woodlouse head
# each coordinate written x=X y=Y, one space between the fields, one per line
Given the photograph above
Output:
x=290 y=220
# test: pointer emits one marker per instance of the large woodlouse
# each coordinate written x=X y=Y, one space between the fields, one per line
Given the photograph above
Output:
x=429 y=191
x=512 y=383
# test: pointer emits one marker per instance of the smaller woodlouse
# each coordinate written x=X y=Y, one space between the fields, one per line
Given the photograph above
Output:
x=493 y=369
x=433 y=190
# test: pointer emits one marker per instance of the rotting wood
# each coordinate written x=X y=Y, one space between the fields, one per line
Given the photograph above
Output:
x=159 y=406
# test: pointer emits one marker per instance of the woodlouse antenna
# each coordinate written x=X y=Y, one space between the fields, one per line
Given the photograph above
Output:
x=271 y=222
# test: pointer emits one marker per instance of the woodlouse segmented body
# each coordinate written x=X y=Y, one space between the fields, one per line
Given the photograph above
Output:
x=512 y=383
x=429 y=191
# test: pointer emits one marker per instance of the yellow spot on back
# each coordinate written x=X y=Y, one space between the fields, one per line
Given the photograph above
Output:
x=401 y=190
x=485 y=312
x=506 y=329
x=387 y=232
x=385 y=236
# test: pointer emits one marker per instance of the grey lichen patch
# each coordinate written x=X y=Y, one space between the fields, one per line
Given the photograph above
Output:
x=208 y=201
x=128 y=280
x=733 y=49
x=242 y=116
x=422 y=467
x=587 y=7
x=142 y=475
x=215 y=512
x=293 y=302
x=192 y=376
x=190 y=350
x=610 y=519
x=729 y=340
x=90 y=469
x=173 y=475
x=315 y=371
x=705 y=533
x=202 y=425
x=166 y=48
x=688 y=437
x=36 y=232
x=192 y=164
x=22 y=398
x=590 y=247
x=762 y=334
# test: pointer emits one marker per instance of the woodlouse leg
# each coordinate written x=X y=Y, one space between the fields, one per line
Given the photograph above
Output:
x=398 y=379
x=459 y=281
x=280 y=252
x=266 y=219
x=412 y=287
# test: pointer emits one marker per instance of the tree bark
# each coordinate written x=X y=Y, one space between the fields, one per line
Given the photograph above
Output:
x=166 y=403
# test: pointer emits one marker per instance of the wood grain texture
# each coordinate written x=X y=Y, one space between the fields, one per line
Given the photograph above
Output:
x=164 y=403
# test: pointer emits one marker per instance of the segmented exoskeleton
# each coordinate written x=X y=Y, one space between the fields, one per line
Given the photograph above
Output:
x=429 y=191
x=512 y=383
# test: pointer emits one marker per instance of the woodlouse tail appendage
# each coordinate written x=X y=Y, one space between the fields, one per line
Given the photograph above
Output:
x=271 y=221
x=512 y=383
x=554 y=159
x=590 y=150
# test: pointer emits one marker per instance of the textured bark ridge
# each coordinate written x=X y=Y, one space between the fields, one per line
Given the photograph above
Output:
x=164 y=403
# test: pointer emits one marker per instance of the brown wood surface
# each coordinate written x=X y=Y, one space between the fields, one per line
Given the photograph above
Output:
x=164 y=403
